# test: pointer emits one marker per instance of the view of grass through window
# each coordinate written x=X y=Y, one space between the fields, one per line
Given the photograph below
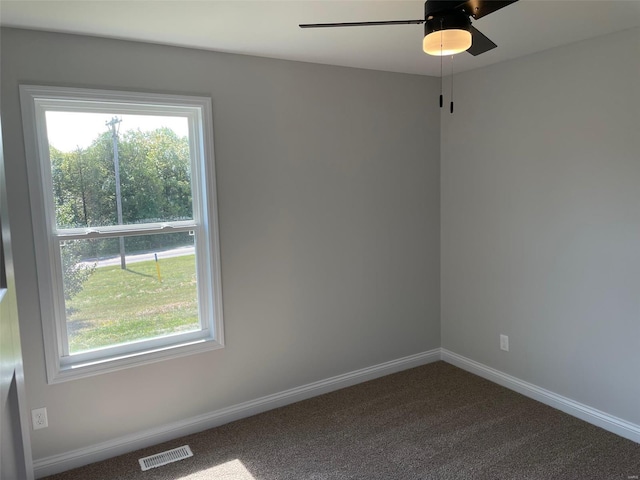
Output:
x=127 y=170
x=118 y=306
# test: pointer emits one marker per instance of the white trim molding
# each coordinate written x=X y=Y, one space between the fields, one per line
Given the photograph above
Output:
x=95 y=453
x=584 y=412
x=63 y=361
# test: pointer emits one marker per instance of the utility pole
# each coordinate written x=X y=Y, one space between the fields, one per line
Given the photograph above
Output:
x=116 y=165
x=82 y=187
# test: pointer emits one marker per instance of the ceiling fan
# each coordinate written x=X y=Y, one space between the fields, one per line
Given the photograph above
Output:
x=447 y=28
x=447 y=25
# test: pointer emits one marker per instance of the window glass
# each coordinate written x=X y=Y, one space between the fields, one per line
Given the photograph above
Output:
x=96 y=156
x=154 y=296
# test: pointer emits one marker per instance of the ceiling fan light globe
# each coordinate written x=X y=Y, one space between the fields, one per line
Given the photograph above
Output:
x=447 y=42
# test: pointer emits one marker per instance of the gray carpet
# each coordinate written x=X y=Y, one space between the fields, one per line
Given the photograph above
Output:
x=430 y=422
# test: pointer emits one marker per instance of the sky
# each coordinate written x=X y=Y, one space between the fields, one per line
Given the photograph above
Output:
x=69 y=130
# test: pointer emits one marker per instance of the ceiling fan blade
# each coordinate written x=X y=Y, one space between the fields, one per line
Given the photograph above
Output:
x=481 y=8
x=361 y=24
x=479 y=42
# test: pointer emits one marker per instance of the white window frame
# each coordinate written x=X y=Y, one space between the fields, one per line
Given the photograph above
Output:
x=62 y=366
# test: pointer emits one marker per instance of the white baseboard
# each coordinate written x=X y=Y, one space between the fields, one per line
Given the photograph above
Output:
x=94 y=453
x=584 y=412
x=102 y=451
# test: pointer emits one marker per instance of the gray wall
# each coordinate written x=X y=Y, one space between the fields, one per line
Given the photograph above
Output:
x=540 y=234
x=328 y=186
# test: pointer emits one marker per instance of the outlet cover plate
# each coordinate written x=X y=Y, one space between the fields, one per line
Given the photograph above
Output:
x=39 y=418
x=504 y=343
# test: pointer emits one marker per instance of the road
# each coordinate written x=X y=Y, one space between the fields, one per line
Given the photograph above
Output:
x=142 y=257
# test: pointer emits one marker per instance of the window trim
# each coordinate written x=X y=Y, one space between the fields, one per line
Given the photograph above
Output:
x=35 y=100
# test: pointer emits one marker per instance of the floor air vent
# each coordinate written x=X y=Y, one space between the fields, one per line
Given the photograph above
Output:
x=163 y=458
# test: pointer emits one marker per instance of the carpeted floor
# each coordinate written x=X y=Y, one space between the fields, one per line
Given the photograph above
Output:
x=430 y=422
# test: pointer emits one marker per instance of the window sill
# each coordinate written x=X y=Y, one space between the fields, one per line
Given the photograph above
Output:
x=74 y=371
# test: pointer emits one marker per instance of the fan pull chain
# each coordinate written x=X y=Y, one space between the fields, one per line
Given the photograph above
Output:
x=451 y=107
x=441 y=79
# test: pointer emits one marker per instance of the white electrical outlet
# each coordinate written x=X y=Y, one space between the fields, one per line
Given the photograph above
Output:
x=39 y=418
x=504 y=343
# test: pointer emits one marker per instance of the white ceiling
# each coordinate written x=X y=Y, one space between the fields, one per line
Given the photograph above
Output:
x=269 y=28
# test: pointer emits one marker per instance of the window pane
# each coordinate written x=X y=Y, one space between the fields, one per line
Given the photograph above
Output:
x=111 y=169
x=106 y=305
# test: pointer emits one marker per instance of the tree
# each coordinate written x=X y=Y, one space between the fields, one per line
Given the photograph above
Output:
x=74 y=273
x=155 y=176
x=155 y=181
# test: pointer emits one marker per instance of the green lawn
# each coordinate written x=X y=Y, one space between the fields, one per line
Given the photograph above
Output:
x=119 y=306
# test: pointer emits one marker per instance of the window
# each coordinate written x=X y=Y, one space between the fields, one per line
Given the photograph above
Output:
x=124 y=213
